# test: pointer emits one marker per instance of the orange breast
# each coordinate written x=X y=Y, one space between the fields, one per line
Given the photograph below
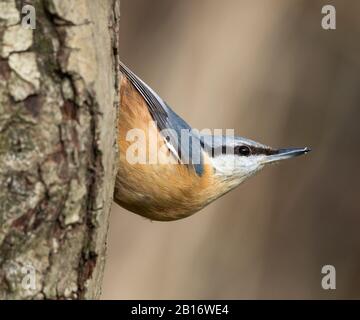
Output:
x=158 y=191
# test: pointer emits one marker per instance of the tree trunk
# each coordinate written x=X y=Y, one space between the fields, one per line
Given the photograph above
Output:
x=58 y=106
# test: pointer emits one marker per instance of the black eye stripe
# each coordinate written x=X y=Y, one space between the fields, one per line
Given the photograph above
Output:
x=228 y=150
x=264 y=151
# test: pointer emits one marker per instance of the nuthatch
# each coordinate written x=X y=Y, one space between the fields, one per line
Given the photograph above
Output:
x=171 y=191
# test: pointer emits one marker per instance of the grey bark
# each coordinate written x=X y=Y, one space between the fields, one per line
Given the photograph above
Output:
x=58 y=103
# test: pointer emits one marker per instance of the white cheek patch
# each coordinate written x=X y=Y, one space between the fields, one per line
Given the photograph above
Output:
x=223 y=164
x=233 y=165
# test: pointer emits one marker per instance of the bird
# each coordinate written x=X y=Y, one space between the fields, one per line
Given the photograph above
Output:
x=199 y=168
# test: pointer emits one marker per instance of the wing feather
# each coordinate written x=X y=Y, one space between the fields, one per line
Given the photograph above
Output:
x=165 y=119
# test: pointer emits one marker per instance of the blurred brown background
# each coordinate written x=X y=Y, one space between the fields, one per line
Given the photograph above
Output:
x=268 y=70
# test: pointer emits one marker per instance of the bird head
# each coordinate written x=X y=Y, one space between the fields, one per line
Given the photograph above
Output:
x=234 y=159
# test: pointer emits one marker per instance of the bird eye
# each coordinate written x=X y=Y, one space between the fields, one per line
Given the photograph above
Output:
x=242 y=150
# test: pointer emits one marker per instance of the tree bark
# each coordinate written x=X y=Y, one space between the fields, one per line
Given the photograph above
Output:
x=58 y=107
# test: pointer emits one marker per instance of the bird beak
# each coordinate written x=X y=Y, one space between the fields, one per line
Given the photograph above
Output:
x=282 y=154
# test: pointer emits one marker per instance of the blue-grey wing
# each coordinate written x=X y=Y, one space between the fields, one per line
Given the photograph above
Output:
x=185 y=144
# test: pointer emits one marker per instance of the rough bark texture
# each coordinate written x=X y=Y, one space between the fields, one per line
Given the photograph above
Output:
x=58 y=105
